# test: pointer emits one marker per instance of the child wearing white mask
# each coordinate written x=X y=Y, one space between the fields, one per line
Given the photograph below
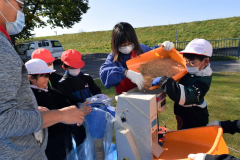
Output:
x=76 y=85
x=47 y=57
x=125 y=45
x=190 y=107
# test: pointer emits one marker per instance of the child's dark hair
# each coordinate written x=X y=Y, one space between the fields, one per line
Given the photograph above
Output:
x=65 y=66
x=35 y=76
x=121 y=33
x=193 y=57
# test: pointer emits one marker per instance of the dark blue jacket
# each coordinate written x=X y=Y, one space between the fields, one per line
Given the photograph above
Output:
x=112 y=73
x=78 y=88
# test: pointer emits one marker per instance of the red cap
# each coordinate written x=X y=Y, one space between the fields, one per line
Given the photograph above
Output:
x=43 y=54
x=72 y=58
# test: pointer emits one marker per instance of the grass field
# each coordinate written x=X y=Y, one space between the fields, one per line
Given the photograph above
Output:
x=223 y=101
x=100 y=41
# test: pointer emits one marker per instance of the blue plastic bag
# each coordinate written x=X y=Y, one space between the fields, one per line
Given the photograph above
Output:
x=99 y=128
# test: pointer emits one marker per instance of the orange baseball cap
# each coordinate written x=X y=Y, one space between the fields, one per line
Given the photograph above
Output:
x=43 y=54
x=72 y=58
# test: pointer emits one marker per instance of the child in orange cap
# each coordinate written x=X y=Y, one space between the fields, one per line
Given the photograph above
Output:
x=46 y=56
x=76 y=85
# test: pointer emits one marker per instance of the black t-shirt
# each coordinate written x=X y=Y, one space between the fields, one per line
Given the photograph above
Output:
x=59 y=135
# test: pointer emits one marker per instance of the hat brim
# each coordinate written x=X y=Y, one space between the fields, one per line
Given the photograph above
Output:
x=75 y=64
x=49 y=60
x=192 y=52
x=45 y=71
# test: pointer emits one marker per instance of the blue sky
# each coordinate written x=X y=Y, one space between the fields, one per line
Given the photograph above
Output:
x=104 y=14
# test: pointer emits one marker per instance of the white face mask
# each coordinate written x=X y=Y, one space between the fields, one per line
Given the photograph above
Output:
x=51 y=67
x=74 y=72
x=126 y=49
x=17 y=26
x=194 y=70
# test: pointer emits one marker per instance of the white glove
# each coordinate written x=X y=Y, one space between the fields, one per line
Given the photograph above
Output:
x=214 y=123
x=39 y=136
x=167 y=45
x=199 y=156
x=136 y=78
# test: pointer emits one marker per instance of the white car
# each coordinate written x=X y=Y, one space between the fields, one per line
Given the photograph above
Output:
x=21 y=48
x=54 y=46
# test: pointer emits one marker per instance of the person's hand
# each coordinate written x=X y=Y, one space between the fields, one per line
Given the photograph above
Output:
x=156 y=81
x=87 y=102
x=198 y=156
x=86 y=110
x=72 y=115
x=80 y=105
x=167 y=45
x=136 y=78
x=214 y=123
x=42 y=109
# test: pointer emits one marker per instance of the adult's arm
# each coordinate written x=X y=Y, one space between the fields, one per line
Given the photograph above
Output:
x=146 y=48
x=230 y=127
x=15 y=120
x=202 y=156
x=67 y=115
x=220 y=157
x=111 y=73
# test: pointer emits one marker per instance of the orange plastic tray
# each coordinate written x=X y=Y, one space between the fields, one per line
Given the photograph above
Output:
x=179 y=144
x=134 y=63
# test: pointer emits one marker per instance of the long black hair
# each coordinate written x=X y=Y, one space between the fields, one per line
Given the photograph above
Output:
x=121 y=33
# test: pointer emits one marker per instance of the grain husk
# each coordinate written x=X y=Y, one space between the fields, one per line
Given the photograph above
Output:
x=158 y=68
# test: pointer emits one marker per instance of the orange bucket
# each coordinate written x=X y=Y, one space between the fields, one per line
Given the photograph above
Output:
x=134 y=63
x=179 y=144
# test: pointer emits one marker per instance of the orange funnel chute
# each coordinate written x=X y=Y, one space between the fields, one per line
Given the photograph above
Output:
x=134 y=63
x=179 y=144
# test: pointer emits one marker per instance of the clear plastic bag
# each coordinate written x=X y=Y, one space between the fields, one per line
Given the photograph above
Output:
x=103 y=102
x=104 y=107
x=99 y=132
x=101 y=98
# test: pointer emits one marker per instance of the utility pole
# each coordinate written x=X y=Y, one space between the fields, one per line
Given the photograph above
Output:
x=238 y=46
x=176 y=39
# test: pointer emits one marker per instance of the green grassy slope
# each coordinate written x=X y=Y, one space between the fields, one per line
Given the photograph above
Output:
x=100 y=42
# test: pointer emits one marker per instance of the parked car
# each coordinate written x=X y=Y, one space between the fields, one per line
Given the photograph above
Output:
x=25 y=49
x=21 y=48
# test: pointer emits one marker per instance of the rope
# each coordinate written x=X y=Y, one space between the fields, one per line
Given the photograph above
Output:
x=234 y=149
